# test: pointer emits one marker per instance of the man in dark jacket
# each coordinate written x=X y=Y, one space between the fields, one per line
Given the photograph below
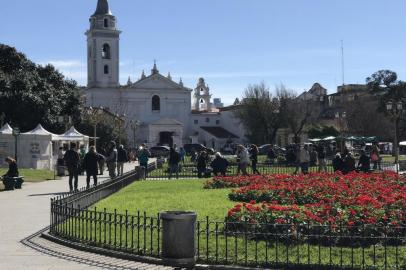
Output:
x=364 y=163
x=174 y=159
x=122 y=157
x=219 y=165
x=111 y=159
x=338 y=163
x=349 y=163
x=90 y=163
x=201 y=164
x=72 y=161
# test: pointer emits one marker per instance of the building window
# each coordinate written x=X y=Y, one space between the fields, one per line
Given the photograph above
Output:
x=196 y=121
x=106 y=23
x=217 y=122
x=106 y=69
x=156 y=103
x=207 y=120
x=106 y=51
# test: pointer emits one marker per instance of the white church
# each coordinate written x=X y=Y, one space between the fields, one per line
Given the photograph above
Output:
x=163 y=108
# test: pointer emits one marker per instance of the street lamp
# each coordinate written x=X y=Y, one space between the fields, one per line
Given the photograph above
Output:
x=16 y=133
x=395 y=109
x=120 y=122
x=134 y=125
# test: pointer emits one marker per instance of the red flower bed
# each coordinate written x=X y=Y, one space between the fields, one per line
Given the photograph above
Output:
x=329 y=199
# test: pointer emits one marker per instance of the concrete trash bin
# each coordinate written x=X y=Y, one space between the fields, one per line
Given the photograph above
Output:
x=178 y=238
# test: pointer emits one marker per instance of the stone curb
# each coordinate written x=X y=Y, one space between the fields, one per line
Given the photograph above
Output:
x=133 y=257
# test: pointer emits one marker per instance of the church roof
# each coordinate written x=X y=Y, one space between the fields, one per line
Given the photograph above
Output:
x=157 y=80
x=220 y=132
x=102 y=8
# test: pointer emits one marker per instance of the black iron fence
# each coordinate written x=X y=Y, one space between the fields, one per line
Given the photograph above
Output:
x=189 y=170
x=244 y=243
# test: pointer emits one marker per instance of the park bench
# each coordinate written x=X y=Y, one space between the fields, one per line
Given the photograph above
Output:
x=11 y=183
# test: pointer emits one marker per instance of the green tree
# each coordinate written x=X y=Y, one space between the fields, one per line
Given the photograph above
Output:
x=32 y=94
x=386 y=86
x=259 y=113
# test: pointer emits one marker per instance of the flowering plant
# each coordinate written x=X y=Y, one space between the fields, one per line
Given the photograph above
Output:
x=335 y=201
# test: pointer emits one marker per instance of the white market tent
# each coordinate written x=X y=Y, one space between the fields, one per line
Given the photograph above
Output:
x=73 y=135
x=37 y=148
x=6 y=129
x=6 y=143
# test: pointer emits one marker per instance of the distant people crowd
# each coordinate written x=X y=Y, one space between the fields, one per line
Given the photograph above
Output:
x=77 y=162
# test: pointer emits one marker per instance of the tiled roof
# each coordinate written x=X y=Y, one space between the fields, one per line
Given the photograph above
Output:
x=220 y=132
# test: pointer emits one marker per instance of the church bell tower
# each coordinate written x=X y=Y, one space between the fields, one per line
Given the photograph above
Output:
x=201 y=96
x=103 y=48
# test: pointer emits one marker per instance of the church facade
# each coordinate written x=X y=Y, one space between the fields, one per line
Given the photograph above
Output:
x=167 y=112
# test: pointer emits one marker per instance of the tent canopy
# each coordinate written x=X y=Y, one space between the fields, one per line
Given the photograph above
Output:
x=6 y=129
x=73 y=135
x=40 y=131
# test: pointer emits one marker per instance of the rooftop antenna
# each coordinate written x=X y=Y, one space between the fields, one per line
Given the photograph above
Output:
x=342 y=61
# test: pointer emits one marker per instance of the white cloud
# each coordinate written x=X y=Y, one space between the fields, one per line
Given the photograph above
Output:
x=60 y=64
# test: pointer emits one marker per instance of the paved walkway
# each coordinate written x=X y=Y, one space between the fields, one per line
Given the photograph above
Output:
x=25 y=212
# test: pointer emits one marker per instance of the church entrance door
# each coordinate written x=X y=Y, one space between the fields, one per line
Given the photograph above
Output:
x=165 y=138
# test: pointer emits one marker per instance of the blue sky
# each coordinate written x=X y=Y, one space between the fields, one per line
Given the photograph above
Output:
x=231 y=43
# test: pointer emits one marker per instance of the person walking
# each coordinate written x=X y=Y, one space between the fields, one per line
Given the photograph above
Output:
x=182 y=154
x=122 y=157
x=243 y=159
x=72 y=161
x=254 y=158
x=219 y=165
x=82 y=153
x=321 y=158
x=304 y=158
x=143 y=157
x=201 y=164
x=174 y=159
x=375 y=157
x=90 y=163
x=102 y=161
x=271 y=154
x=338 y=164
x=364 y=164
x=349 y=163
x=111 y=159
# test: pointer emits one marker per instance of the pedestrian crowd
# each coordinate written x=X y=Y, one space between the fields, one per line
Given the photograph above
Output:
x=93 y=163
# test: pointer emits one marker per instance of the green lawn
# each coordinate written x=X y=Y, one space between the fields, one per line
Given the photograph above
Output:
x=157 y=196
x=32 y=175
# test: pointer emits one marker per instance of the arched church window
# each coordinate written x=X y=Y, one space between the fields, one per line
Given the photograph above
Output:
x=201 y=101
x=106 y=69
x=106 y=23
x=106 y=51
x=156 y=103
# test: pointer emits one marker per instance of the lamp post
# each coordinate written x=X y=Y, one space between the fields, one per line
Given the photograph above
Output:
x=16 y=133
x=134 y=126
x=120 y=122
x=395 y=109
